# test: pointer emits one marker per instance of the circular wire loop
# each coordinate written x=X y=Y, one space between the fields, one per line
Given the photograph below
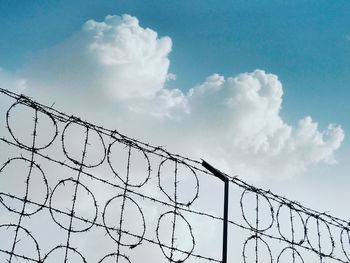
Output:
x=114 y=170
x=295 y=254
x=88 y=129
x=27 y=181
x=112 y=256
x=292 y=210
x=120 y=231
x=163 y=246
x=319 y=250
x=27 y=233
x=347 y=241
x=71 y=214
x=66 y=258
x=36 y=109
x=271 y=212
x=169 y=195
x=256 y=240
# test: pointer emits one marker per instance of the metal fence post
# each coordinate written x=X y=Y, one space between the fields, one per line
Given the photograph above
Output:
x=225 y=179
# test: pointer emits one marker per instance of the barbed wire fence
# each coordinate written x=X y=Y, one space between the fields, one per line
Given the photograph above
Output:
x=71 y=191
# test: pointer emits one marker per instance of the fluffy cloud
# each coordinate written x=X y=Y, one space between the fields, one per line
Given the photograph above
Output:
x=115 y=58
x=119 y=70
x=239 y=118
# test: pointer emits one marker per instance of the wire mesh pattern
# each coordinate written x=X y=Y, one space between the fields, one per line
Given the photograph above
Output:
x=71 y=191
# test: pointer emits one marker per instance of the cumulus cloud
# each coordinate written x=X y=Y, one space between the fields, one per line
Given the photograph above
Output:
x=115 y=58
x=239 y=118
x=119 y=70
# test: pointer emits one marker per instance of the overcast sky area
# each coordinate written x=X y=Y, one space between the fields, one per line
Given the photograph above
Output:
x=260 y=89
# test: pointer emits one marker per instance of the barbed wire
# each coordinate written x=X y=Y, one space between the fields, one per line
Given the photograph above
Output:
x=263 y=214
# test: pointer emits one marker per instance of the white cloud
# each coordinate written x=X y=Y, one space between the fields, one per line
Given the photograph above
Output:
x=115 y=58
x=116 y=71
x=239 y=118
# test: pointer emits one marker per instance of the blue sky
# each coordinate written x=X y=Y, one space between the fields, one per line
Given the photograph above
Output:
x=114 y=72
x=305 y=43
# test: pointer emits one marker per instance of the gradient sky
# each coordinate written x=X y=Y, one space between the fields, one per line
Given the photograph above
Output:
x=305 y=43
